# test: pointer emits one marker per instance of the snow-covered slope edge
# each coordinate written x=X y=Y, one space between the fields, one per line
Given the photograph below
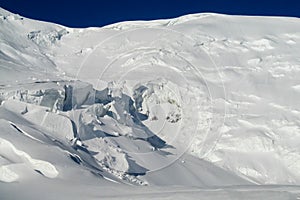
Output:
x=130 y=102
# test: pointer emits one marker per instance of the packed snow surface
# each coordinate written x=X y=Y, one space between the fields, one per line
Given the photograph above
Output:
x=204 y=105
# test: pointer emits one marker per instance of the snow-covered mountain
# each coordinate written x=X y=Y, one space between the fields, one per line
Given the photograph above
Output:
x=203 y=104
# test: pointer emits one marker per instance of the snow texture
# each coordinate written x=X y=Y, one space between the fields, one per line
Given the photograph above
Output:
x=204 y=105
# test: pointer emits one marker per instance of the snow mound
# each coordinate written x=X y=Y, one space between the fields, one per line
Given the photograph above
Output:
x=14 y=155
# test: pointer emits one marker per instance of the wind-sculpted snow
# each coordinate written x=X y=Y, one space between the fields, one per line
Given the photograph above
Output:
x=201 y=101
x=17 y=157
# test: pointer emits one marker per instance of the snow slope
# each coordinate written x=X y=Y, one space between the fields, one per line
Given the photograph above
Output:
x=203 y=104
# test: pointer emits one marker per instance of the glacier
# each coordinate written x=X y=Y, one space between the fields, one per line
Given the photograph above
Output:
x=204 y=105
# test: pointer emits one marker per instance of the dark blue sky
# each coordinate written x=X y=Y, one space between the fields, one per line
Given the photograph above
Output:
x=87 y=13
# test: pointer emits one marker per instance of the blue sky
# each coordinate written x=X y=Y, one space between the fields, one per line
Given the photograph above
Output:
x=87 y=13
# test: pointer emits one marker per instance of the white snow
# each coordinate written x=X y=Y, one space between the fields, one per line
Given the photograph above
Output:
x=14 y=155
x=201 y=106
